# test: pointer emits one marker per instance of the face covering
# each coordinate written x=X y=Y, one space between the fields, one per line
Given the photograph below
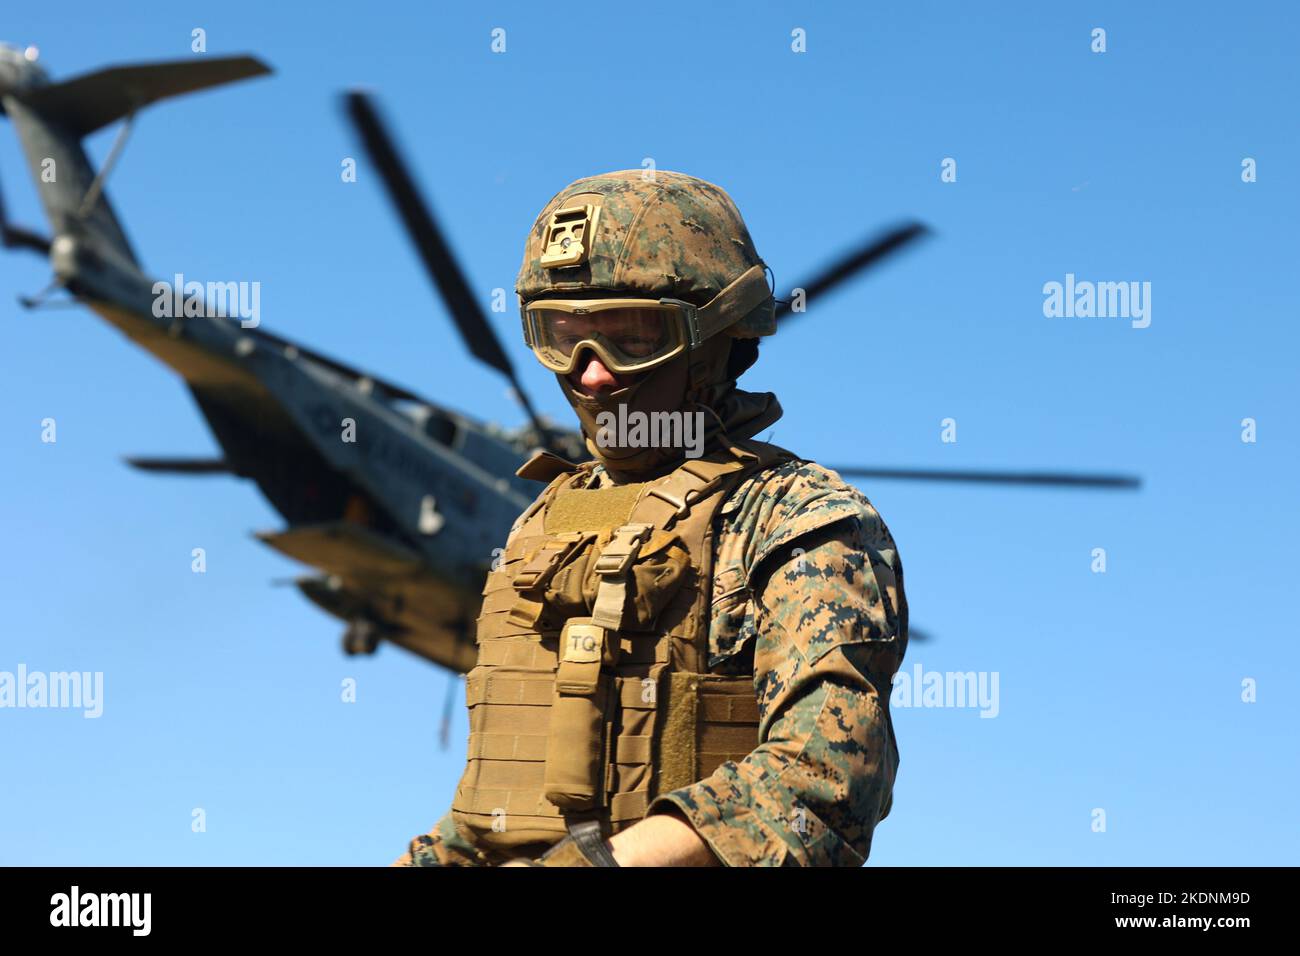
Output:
x=693 y=384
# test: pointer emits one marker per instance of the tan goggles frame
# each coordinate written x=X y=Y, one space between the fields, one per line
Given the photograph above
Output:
x=679 y=317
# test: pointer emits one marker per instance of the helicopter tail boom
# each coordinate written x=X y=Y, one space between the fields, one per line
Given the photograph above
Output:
x=91 y=101
x=51 y=120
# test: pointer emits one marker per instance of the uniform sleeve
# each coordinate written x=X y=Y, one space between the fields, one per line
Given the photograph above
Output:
x=445 y=845
x=830 y=625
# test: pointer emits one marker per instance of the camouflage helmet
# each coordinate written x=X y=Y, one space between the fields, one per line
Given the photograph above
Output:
x=655 y=234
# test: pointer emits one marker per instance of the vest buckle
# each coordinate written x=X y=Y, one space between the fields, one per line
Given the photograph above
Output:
x=684 y=502
x=622 y=550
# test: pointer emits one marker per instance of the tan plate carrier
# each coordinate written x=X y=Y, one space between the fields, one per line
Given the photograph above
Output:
x=589 y=715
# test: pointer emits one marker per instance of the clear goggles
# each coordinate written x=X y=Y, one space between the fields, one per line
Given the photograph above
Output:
x=628 y=335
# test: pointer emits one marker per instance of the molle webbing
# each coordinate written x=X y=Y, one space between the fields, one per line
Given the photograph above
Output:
x=605 y=705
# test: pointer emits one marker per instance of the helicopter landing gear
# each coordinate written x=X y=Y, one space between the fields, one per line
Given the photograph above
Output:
x=361 y=637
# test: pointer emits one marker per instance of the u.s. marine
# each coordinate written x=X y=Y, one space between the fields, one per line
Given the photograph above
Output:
x=684 y=658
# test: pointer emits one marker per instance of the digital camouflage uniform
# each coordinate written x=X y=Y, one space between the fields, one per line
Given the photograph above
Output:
x=806 y=593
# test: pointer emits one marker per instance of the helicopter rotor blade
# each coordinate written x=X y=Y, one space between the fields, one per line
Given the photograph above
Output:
x=855 y=261
x=434 y=250
x=870 y=255
x=1045 y=478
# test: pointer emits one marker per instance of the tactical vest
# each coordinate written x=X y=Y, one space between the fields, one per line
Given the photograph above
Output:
x=591 y=693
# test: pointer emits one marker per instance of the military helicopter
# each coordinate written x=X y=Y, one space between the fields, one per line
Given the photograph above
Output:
x=400 y=523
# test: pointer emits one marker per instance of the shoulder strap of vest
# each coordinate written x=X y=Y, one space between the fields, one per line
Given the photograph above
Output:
x=545 y=466
x=697 y=479
x=767 y=454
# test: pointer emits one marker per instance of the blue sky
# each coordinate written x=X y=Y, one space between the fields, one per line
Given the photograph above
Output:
x=1120 y=691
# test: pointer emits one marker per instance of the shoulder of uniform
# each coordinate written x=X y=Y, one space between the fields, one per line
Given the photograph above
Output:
x=783 y=502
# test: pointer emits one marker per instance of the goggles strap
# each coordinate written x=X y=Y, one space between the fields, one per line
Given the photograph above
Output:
x=733 y=303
